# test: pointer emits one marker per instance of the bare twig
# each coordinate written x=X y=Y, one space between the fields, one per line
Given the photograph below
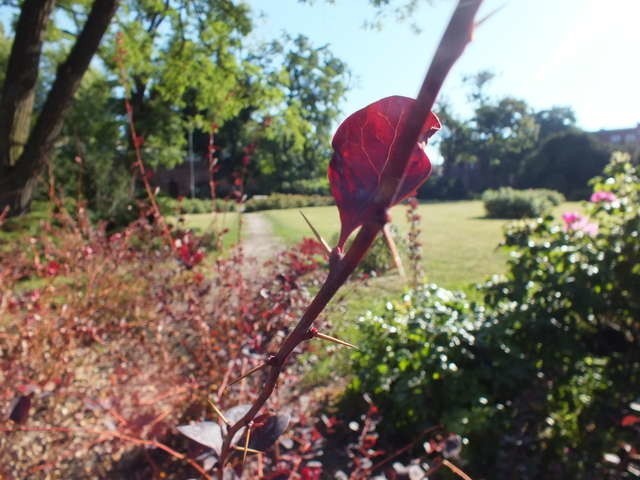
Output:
x=404 y=449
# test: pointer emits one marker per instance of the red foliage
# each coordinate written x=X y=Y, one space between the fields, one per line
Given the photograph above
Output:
x=52 y=268
x=188 y=250
x=629 y=420
x=138 y=351
x=362 y=145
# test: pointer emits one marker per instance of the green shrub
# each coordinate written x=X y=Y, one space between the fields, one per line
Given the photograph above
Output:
x=406 y=361
x=173 y=206
x=537 y=378
x=311 y=186
x=277 y=201
x=507 y=202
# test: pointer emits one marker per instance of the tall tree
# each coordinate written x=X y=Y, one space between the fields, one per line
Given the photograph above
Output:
x=25 y=150
x=565 y=162
x=185 y=69
x=298 y=146
x=486 y=151
x=307 y=84
x=554 y=121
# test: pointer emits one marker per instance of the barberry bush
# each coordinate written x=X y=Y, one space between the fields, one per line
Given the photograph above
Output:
x=107 y=341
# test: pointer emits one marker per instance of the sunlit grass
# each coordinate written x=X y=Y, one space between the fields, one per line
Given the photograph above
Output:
x=459 y=243
x=215 y=223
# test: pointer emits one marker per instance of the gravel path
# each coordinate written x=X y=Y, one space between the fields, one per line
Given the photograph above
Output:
x=258 y=239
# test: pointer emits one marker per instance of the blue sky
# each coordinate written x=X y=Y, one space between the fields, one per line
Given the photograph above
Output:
x=578 y=53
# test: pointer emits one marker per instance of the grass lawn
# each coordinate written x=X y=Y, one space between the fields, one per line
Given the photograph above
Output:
x=459 y=244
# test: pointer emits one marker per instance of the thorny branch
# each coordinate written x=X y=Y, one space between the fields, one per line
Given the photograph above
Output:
x=456 y=37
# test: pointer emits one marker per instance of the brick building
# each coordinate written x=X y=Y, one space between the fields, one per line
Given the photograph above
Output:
x=176 y=181
x=626 y=138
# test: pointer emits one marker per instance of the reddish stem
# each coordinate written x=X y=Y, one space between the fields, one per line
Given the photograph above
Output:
x=454 y=40
x=135 y=141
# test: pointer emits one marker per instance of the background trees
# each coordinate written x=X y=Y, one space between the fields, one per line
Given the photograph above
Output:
x=565 y=162
x=186 y=65
x=506 y=142
x=24 y=149
x=192 y=63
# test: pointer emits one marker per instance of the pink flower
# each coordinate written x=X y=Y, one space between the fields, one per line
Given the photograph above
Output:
x=589 y=228
x=574 y=222
x=569 y=218
x=602 y=196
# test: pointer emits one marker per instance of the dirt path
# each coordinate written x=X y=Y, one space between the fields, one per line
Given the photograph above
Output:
x=257 y=237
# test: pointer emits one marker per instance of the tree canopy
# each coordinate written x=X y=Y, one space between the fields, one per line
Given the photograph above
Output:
x=184 y=65
x=506 y=142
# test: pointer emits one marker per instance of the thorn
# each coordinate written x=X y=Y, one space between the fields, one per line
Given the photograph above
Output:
x=248 y=450
x=322 y=241
x=489 y=15
x=245 y=375
x=246 y=444
x=219 y=413
x=393 y=249
x=332 y=339
x=455 y=469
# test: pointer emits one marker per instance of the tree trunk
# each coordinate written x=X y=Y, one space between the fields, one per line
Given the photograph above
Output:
x=17 y=181
x=18 y=91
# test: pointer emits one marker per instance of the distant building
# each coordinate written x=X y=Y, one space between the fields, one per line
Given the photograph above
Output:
x=626 y=138
x=177 y=181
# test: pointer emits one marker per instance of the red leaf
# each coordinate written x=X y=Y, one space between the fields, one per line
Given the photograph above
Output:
x=362 y=145
x=311 y=471
x=20 y=408
x=629 y=420
x=52 y=268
